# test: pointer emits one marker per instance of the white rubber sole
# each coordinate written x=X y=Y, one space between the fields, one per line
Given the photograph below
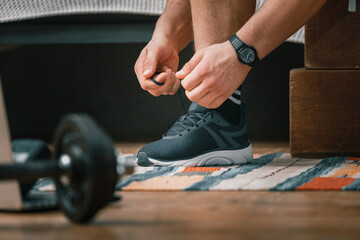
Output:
x=218 y=158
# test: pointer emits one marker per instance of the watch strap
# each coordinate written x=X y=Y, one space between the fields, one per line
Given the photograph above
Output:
x=236 y=42
x=238 y=45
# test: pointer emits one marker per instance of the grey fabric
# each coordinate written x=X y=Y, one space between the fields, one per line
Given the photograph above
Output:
x=16 y=10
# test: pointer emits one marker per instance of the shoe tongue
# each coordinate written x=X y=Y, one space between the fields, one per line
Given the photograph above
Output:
x=196 y=108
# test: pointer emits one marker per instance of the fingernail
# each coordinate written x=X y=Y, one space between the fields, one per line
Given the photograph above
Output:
x=146 y=72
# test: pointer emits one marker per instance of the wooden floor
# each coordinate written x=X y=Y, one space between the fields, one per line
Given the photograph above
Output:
x=203 y=215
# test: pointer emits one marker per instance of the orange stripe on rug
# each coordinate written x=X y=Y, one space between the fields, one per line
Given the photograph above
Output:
x=326 y=183
x=353 y=159
x=201 y=169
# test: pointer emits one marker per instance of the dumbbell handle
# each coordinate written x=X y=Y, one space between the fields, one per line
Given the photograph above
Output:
x=29 y=171
x=49 y=168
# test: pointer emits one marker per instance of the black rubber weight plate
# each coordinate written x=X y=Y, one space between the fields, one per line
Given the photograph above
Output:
x=93 y=181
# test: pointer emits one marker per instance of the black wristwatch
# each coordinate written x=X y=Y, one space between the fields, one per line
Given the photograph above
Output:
x=246 y=54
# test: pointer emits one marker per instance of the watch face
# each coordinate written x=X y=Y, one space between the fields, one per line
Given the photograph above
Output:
x=247 y=55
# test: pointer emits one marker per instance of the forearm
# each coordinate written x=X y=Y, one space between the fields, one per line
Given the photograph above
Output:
x=175 y=23
x=276 y=21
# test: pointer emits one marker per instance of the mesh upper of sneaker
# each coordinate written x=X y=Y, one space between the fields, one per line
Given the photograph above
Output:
x=184 y=147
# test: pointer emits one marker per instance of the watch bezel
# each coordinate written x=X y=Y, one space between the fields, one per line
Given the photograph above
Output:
x=242 y=56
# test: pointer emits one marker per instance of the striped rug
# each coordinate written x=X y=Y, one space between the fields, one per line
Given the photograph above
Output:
x=274 y=172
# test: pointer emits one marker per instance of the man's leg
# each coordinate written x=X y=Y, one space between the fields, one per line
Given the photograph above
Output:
x=215 y=21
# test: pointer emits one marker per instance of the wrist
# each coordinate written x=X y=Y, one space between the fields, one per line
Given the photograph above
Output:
x=246 y=54
x=165 y=40
x=255 y=38
x=234 y=58
x=170 y=39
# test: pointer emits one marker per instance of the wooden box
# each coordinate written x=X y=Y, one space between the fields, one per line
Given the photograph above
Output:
x=332 y=37
x=324 y=113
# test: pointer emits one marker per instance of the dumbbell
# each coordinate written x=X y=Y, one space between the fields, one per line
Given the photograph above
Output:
x=83 y=166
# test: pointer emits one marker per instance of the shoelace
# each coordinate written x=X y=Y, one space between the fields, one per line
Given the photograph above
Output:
x=179 y=91
x=186 y=122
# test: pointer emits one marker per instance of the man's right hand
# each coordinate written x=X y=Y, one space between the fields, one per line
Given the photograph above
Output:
x=159 y=56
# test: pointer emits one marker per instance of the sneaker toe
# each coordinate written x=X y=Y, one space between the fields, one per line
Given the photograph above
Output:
x=143 y=160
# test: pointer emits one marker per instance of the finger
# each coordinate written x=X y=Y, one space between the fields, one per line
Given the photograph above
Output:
x=165 y=88
x=173 y=83
x=217 y=102
x=207 y=99
x=138 y=68
x=176 y=85
x=150 y=62
x=193 y=79
x=169 y=82
x=155 y=89
x=196 y=94
x=165 y=68
x=152 y=78
x=189 y=66
x=154 y=93
x=148 y=84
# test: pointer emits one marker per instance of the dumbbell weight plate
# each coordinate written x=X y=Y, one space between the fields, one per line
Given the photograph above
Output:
x=90 y=183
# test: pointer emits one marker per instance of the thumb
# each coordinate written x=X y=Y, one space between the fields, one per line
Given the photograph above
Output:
x=188 y=67
x=150 y=64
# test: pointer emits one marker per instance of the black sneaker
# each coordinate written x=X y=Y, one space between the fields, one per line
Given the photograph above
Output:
x=202 y=137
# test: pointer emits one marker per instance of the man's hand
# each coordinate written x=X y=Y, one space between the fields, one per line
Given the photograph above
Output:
x=158 y=56
x=212 y=75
